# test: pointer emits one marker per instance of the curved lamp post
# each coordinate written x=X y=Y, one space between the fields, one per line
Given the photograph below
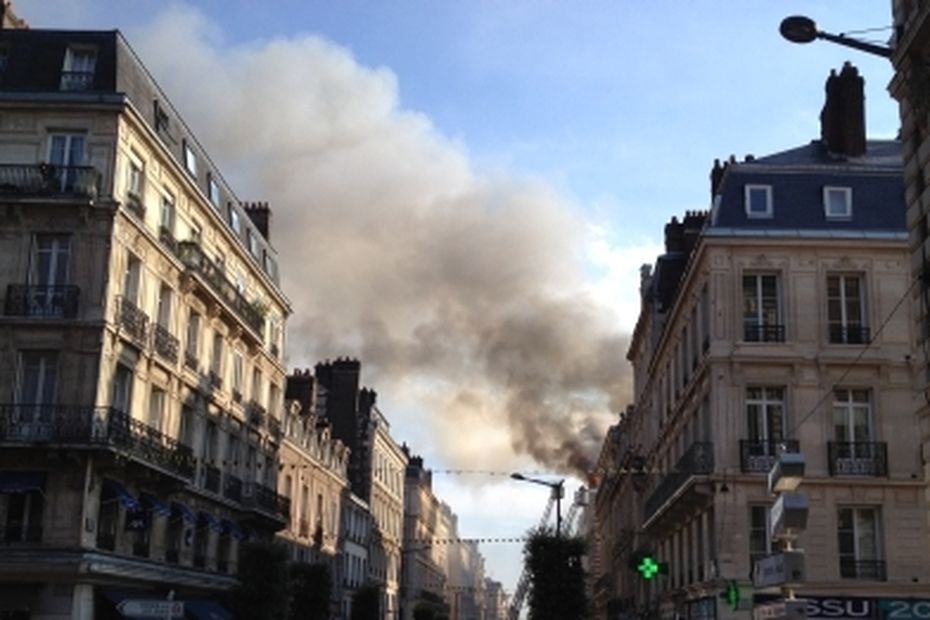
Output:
x=557 y=492
x=800 y=29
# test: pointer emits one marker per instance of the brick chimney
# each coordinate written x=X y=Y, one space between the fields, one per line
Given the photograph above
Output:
x=300 y=386
x=260 y=215
x=842 y=120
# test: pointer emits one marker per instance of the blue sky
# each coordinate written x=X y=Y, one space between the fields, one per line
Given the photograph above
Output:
x=556 y=138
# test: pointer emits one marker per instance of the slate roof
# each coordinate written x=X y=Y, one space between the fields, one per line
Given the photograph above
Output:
x=798 y=176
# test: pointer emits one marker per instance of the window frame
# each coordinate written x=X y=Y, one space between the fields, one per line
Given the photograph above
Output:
x=748 y=202
x=760 y=318
x=857 y=555
x=190 y=159
x=213 y=191
x=843 y=322
x=829 y=190
x=70 y=69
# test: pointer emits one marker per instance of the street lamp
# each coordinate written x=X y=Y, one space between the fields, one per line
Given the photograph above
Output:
x=800 y=29
x=557 y=492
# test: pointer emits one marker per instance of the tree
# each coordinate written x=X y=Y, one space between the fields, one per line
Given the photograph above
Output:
x=557 y=578
x=311 y=588
x=366 y=604
x=262 y=593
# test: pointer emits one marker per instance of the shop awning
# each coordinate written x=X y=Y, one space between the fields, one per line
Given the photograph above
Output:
x=205 y=519
x=180 y=511
x=155 y=505
x=125 y=498
x=22 y=481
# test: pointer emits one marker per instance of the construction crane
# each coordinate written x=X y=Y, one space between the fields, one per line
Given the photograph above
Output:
x=523 y=583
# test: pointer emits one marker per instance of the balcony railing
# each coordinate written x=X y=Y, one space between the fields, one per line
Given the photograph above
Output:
x=260 y=497
x=77 y=80
x=211 y=478
x=165 y=343
x=698 y=460
x=41 y=301
x=764 y=333
x=848 y=334
x=190 y=359
x=851 y=568
x=232 y=488
x=133 y=320
x=256 y=414
x=94 y=426
x=858 y=458
x=196 y=261
x=46 y=180
x=167 y=237
x=756 y=456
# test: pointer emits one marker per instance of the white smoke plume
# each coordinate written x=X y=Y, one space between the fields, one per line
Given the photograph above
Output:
x=463 y=289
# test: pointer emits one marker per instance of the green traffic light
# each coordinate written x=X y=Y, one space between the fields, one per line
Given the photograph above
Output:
x=648 y=567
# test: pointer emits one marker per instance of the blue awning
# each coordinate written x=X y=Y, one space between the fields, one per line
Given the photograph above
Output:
x=231 y=528
x=200 y=609
x=155 y=505
x=22 y=481
x=205 y=519
x=180 y=511
x=125 y=498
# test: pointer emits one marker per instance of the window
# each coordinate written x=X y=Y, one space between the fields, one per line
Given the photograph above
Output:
x=192 y=348
x=837 y=202
x=135 y=180
x=163 y=316
x=257 y=395
x=852 y=415
x=66 y=153
x=166 y=214
x=251 y=242
x=37 y=377
x=761 y=309
x=49 y=264
x=859 y=544
x=216 y=360
x=107 y=518
x=190 y=160
x=23 y=512
x=157 y=403
x=186 y=427
x=234 y=220
x=765 y=410
x=122 y=388
x=213 y=191
x=758 y=199
x=238 y=373
x=77 y=73
x=196 y=232
x=760 y=543
x=132 y=279
x=846 y=322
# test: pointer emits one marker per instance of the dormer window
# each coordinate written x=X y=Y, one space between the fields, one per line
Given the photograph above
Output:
x=190 y=160
x=234 y=222
x=213 y=191
x=758 y=199
x=837 y=203
x=77 y=72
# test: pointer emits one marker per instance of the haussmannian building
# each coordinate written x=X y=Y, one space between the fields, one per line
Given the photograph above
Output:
x=141 y=341
x=781 y=317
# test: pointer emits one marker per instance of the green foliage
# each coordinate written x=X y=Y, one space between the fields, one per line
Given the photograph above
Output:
x=557 y=577
x=262 y=593
x=311 y=588
x=366 y=604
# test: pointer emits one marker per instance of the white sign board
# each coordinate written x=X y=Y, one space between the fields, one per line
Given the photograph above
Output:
x=782 y=610
x=150 y=608
x=778 y=569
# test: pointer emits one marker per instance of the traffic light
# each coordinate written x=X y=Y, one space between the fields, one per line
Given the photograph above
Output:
x=645 y=564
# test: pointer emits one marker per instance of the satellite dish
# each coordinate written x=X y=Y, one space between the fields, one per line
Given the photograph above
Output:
x=798 y=29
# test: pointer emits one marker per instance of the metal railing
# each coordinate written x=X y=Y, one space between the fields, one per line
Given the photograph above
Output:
x=857 y=458
x=756 y=456
x=196 y=261
x=190 y=359
x=848 y=334
x=697 y=460
x=94 y=426
x=232 y=488
x=258 y=496
x=133 y=320
x=764 y=333
x=76 y=80
x=42 y=301
x=30 y=180
x=211 y=478
x=165 y=343
x=851 y=568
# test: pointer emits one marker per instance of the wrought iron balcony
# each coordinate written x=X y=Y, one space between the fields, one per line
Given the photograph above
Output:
x=77 y=80
x=197 y=262
x=165 y=343
x=764 y=333
x=88 y=426
x=133 y=320
x=756 y=456
x=232 y=488
x=211 y=478
x=698 y=460
x=261 y=498
x=849 y=334
x=851 y=568
x=858 y=458
x=190 y=359
x=42 y=301
x=47 y=180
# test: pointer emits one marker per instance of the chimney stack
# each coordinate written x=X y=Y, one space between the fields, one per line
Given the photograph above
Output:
x=842 y=120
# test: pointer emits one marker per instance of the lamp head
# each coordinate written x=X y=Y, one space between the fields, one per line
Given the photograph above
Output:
x=517 y=476
x=798 y=29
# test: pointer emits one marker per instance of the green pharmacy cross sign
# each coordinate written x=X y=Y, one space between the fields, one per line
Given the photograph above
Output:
x=648 y=567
